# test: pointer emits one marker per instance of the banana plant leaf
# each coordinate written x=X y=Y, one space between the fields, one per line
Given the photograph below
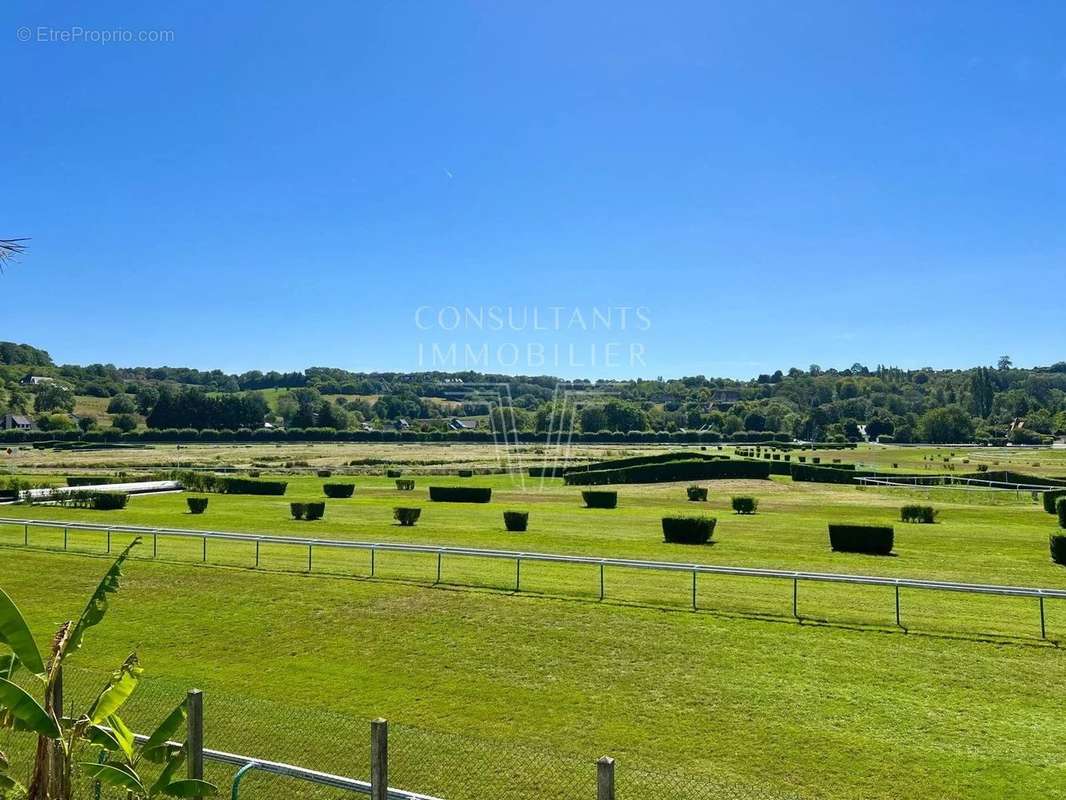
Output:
x=114 y=775
x=154 y=749
x=190 y=787
x=15 y=633
x=117 y=691
x=27 y=711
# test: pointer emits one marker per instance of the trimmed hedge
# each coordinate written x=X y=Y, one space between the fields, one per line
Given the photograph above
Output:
x=639 y=461
x=197 y=505
x=338 y=490
x=324 y=473
x=314 y=510
x=597 y=499
x=516 y=521
x=460 y=494
x=688 y=530
x=466 y=473
x=393 y=473
x=1051 y=499
x=297 y=510
x=718 y=469
x=1060 y=507
x=405 y=485
x=220 y=484
x=745 y=505
x=406 y=516
x=870 y=539
x=921 y=514
x=697 y=494
x=546 y=472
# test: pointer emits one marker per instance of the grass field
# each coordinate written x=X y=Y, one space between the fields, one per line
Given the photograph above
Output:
x=481 y=682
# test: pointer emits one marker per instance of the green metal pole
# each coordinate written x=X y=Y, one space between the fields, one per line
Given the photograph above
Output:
x=235 y=788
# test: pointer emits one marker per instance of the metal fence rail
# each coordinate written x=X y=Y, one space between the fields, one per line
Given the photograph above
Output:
x=1040 y=594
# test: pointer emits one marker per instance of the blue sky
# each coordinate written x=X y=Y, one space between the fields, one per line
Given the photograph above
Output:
x=283 y=185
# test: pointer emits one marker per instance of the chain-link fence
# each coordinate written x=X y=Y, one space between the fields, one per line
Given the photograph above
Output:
x=443 y=765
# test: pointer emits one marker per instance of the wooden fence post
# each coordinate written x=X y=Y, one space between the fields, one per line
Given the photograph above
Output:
x=194 y=729
x=605 y=778
x=379 y=760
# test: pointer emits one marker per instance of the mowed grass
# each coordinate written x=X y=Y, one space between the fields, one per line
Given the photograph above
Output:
x=294 y=666
x=841 y=704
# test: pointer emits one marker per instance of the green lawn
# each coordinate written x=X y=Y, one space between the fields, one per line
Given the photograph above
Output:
x=479 y=681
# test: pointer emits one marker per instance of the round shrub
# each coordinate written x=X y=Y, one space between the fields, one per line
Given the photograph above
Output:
x=921 y=514
x=405 y=485
x=688 y=530
x=298 y=510
x=516 y=521
x=197 y=505
x=406 y=516
x=745 y=505
x=314 y=510
x=338 y=490
x=697 y=494
x=600 y=499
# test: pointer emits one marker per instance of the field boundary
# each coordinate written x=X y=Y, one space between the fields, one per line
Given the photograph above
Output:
x=518 y=557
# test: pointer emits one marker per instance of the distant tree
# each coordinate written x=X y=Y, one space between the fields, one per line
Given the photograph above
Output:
x=983 y=391
x=9 y=249
x=147 y=396
x=593 y=418
x=53 y=397
x=946 y=425
x=124 y=422
x=86 y=423
x=55 y=422
x=121 y=404
x=1004 y=363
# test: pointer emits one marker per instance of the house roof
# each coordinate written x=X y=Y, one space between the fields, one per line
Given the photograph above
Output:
x=19 y=419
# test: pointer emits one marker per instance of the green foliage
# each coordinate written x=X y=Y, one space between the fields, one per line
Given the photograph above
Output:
x=1050 y=499
x=546 y=472
x=869 y=539
x=314 y=510
x=1060 y=507
x=696 y=494
x=297 y=510
x=324 y=473
x=949 y=424
x=744 y=505
x=406 y=516
x=600 y=499
x=338 y=490
x=122 y=404
x=916 y=513
x=124 y=422
x=1057 y=545
x=460 y=494
x=197 y=505
x=393 y=473
x=405 y=485
x=688 y=530
x=516 y=521
x=674 y=471
x=466 y=473
x=221 y=484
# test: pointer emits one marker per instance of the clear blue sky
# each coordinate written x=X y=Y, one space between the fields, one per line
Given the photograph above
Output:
x=285 y=184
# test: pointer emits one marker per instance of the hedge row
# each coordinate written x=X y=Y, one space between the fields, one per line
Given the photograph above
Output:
x=459 y=494
x=1060 y=507
x=546 y=472
x=197 y=505
x=221 y=484
x=1057 y=543
x=673 y=471
x=309 y=511
x=600 y=499
x=516 y=521
x=636 y=461
x=922 y=514
x=870 y=539
x=332 y=435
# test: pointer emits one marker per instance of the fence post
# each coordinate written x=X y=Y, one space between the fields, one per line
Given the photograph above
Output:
x=379 y=759
x=194 y=731
x=605 y=778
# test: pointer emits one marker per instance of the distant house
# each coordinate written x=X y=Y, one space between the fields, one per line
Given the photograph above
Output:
x=15 y=422
x=36 y=380
x=724 y=398
x=402 y=425
x=367 y=427
x=457 y=424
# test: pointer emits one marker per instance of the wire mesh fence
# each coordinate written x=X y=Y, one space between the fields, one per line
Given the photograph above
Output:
x=443 y=765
